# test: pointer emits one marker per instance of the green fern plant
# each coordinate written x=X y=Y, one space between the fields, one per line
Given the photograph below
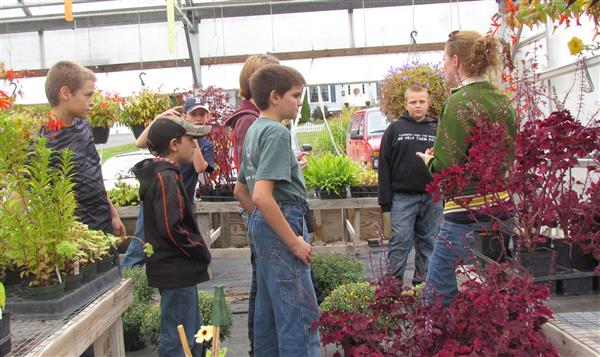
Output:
x=330 y=173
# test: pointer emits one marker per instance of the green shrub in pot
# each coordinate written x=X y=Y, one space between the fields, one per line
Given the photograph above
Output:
x=330 y=173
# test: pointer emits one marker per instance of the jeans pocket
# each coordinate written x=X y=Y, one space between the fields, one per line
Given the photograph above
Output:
x=288 y=290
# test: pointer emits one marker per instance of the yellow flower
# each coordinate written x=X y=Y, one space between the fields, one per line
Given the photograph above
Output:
x=575 y=46
x=205 y=334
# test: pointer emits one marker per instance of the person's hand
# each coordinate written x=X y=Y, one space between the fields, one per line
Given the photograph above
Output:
x=173 y=111
x=425 y=156
x=118 y=227
x=301 y=157
x=302 y=251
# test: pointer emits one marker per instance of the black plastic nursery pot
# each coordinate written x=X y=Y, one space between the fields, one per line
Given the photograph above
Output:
x=137 y=130
x=364 y=191
x=5 y=335
x=105 y=264
x=88 y=272
x=100 y=134
x=43 y=293
x=333 y=195
x=492 y=244
x=572 y=256
x=537 y=261
x=215 y=195
x=72 y=282
x=12 y=277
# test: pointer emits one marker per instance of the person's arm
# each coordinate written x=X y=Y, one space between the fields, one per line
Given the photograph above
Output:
x=384 y=171
x=117 y=225
x=242 y=194
x=262 y=198
x=239 y=133
x=450 y=147
x=141 y=140
x=167 y=195
x=198 y=160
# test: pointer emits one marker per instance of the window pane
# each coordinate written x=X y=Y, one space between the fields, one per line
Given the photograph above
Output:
x=314 y=96
x=325 y=93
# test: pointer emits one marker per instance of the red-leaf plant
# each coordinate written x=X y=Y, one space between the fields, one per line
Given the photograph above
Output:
x=500 y=315
x=543 y=191
x=220 y=107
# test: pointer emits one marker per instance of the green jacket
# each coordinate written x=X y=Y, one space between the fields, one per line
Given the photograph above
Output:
x=465 y=104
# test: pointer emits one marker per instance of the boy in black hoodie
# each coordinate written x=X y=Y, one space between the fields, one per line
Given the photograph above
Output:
x=181 y=257
x=402 y=180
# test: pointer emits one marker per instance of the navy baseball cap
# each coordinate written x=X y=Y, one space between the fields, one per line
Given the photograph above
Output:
x=194 y=103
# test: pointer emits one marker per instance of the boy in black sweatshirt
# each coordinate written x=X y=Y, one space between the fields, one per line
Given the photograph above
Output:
x=402 y=180
x=181 y=257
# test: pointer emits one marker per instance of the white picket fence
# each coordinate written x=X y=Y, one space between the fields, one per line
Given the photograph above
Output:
x=302 y=128
x=309 y=128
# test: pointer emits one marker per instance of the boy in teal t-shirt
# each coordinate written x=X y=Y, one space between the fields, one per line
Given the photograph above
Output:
x=271 y=187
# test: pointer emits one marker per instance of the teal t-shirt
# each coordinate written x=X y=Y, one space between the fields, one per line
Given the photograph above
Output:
x=268 y=155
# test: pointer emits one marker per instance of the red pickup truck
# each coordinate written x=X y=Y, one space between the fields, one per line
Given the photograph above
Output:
x=364 y=136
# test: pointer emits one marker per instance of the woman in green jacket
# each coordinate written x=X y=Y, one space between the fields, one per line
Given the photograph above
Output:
x=469 y=58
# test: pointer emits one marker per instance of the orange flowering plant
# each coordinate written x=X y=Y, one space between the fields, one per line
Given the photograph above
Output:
x=105 y=111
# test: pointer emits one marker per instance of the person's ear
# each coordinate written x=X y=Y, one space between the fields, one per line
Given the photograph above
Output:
x=455 y=61
x=65 y=93
x=173 y=145
x=273 y=97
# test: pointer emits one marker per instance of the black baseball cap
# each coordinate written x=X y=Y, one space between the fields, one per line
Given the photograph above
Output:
x=169 y=127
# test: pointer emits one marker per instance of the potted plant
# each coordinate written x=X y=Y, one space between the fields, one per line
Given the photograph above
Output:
x=545 y=186
x=103 y=115
x=141 y=108
x=398 y=80
x=333 y=270
x=219 y=184
x=367 y=184
x=124 y=194
x=393 y=321
x=37 y=215
x=330 y=175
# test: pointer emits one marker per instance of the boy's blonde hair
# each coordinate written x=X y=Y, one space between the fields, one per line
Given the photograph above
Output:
x=65 y=73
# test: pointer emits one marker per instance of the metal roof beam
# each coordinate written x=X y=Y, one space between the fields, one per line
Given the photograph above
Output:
x=24 y=8
x=220 y=60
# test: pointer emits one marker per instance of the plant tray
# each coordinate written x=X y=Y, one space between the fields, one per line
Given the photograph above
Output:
x=24 y=309
x=564 y=280
x=5 y=345
x=570 y=281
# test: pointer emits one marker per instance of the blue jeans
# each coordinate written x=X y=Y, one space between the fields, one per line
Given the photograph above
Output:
x=178 y=307
x=452 y=247
x=135 y=251
x=414 y=217
x=286 y=304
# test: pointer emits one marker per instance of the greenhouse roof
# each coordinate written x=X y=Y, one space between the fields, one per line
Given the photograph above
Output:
x=42 y=15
